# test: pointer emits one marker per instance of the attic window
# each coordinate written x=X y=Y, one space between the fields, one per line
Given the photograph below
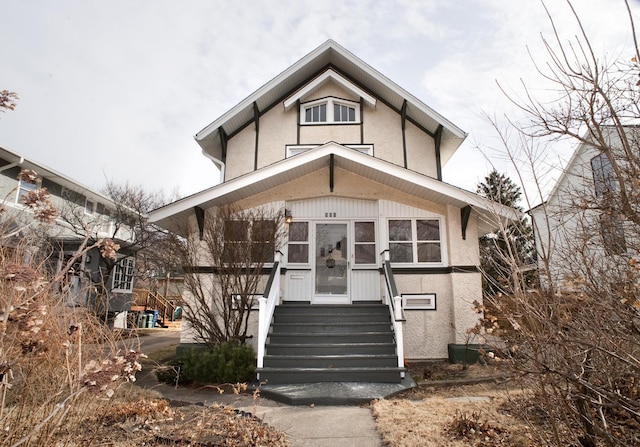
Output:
x=329 y=110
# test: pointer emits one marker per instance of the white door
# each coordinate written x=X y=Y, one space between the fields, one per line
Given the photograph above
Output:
x=332 y=266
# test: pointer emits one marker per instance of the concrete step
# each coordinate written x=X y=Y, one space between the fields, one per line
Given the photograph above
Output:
x=335 y=317
x=326 y=337
x=313 y=375
x=331 y=349
x=330 y=361
x=312 y=327
x=297 y=308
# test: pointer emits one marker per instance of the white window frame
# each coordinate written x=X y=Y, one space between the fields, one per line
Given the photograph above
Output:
x=414 y=241
x=419 y=301
x=24 y=188
x=124 y=273
x=306 y=242
x=330 y=102
x=357 y=265
x=295 y=149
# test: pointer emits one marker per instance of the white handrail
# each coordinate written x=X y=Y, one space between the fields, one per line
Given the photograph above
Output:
x=266 y=307
x=394 y=301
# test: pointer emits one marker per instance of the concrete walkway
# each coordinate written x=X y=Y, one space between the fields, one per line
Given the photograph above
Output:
x=305 y=426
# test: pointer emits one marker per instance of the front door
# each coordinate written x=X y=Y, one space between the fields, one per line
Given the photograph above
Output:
x=331 y=266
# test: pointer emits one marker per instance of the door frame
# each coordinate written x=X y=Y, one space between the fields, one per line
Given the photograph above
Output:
x=329 y=298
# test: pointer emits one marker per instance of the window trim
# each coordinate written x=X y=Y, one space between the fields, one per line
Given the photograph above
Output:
x=407 y=299
x=24 y=188
x=414 y=241
x=329 y=101
x=296 y=149
x=249 y=239
x=90 y=206
x=117 y=270
x=306 y=242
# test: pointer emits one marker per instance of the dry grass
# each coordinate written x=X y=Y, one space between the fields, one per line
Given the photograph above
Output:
x=440 y=421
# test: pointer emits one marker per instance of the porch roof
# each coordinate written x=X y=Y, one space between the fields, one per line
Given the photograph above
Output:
x=328 y=55
x=375 y=169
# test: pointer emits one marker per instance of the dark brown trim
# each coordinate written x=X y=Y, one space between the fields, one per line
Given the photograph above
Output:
x=361 y=120
x=434 y=270
x=331 y=171
x=209 y=269
x=299 y=124
x=256 y=119
x=224 y=138
x=403 y=119
x=200 y=218
x=464 y=220
x=438 y=141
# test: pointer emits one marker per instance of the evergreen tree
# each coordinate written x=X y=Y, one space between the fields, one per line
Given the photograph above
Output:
x=506 y=254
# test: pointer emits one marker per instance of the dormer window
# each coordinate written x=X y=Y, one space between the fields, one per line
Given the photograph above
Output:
x=329 y=111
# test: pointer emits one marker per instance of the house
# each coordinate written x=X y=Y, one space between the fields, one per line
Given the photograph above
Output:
x=355 y=162
x=581 y=229
x=78 y=210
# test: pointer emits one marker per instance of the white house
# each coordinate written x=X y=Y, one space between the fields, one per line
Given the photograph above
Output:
x=356 y=162
x=79 y=210
x=578 y=229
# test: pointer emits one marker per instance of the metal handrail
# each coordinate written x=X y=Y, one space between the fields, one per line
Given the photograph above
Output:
x=267 y=304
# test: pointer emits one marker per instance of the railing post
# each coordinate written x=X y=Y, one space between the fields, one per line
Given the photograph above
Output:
x=262 y=338
x=399 y=331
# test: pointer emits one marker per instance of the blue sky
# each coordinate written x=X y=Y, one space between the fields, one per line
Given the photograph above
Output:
x=117 y=89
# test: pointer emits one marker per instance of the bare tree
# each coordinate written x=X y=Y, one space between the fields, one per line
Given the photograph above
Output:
x=578 y=334
x=225 y=270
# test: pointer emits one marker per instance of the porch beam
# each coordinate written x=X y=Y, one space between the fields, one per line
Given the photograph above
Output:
x=464 y=220
x=199 y=212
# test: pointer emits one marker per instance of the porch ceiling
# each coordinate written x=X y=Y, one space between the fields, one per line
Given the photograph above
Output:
x=377 y=170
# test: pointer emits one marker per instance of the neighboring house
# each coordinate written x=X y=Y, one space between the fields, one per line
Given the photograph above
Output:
x=577 y=229
x=355 y=162
x=78 y=208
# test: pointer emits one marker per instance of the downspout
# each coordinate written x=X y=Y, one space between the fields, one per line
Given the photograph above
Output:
x=12 y=165
x=219 y=164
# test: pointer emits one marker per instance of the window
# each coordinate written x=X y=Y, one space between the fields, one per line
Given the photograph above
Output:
x=365 y=243
x=316 y=114
x=89 y=207
x=414 y=241
x=612 y=234
x=604 y=178
x=298 y=247
x=342 y=113
x=24 y=188
x=419 y=301
x=246 y=241
x=330 y=110
x=123 y=274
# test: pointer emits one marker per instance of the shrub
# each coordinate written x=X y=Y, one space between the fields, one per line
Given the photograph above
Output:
x=228 y=362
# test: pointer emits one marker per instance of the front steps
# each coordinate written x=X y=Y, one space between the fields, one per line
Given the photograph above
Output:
x=330 y=343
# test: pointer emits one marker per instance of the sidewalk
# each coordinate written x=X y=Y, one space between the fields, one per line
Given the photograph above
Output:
x=305 y=426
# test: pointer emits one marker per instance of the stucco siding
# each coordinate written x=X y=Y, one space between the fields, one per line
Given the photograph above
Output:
x=421 y=152
x=383 y=128
x=277 y=129
x=241 y=153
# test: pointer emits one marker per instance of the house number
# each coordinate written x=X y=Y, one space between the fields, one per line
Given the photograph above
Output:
x=329 y=214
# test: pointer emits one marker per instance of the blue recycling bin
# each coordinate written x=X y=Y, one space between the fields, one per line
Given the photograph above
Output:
x=152 y=316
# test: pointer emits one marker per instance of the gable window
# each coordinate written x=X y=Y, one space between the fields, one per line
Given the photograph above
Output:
x=330 y=110
x=604 y=178
x=123 y=274
x=316 y=114
x=249 y=242
x=415 y=241
x=343 y=113
x=298 y=246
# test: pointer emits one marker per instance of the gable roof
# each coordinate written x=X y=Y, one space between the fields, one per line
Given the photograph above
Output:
x=378 y=170
x=329 y=55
